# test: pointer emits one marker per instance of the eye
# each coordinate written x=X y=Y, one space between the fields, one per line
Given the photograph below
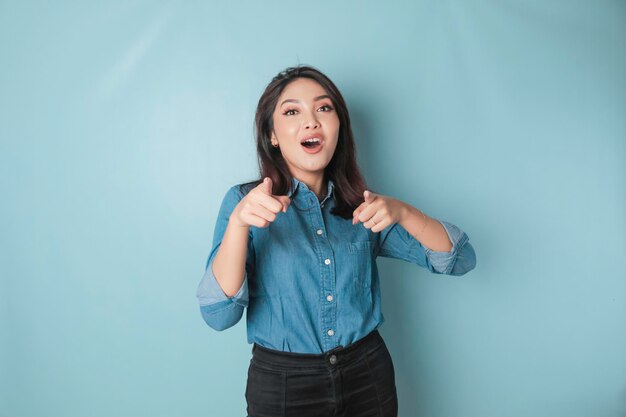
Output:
x=288 y=111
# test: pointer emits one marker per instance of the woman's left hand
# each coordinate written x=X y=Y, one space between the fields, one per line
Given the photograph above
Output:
x=378 y=211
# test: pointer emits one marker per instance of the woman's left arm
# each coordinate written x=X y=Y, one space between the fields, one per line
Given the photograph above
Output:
x=446 y=246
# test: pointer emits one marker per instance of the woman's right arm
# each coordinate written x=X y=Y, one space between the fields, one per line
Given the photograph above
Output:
x=223 y=290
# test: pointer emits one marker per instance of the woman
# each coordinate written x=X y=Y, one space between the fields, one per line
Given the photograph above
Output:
x=298 y=247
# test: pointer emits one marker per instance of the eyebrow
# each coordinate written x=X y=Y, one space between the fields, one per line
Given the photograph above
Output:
x=291 y=100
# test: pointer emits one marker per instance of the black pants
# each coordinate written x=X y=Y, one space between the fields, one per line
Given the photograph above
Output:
x=353 y=381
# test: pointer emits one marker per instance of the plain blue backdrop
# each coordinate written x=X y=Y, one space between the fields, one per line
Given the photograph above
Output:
x=122 y=124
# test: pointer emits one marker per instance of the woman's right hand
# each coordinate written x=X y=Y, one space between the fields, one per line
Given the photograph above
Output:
x=259 y=207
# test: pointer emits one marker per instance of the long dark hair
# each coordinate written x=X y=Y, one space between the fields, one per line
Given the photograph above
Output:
x=342 y=168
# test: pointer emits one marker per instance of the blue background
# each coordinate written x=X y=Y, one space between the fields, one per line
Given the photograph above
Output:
x=122 y=124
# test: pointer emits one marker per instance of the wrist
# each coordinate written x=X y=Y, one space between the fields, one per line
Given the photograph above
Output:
x=405 y=211
x=234 y=220
x=408 y=213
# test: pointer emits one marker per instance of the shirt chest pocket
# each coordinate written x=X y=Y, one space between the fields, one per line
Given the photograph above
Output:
x=361 y=263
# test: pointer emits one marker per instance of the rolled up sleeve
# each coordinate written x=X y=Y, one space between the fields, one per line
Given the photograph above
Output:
x=218 y=310
x=458 y=260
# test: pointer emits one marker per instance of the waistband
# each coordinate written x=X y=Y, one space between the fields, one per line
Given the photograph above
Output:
x=334 y=357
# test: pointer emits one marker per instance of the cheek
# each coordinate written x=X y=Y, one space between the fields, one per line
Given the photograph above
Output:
x=282 y=124
x=334 y=133
x=334 y=126
x=287 y=130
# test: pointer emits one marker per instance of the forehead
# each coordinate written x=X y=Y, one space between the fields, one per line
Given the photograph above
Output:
x=303 y=89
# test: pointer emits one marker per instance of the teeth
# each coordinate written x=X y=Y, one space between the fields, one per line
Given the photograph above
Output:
x=312 y=140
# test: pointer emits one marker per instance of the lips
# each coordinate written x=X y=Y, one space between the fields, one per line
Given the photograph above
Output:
x=311 y=136
x=313 y=148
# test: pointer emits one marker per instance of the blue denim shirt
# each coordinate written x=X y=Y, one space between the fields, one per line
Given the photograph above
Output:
x=311 y=280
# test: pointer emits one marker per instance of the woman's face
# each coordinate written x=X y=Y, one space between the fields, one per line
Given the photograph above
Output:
x=304 y=110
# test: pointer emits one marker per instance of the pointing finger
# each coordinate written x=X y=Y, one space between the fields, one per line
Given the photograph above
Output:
x=369 y=196
x=267 y=181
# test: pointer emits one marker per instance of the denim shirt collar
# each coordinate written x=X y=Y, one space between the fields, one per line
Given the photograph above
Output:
x=304 y=197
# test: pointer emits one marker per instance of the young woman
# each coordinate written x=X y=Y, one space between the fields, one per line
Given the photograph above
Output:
x=298 y=247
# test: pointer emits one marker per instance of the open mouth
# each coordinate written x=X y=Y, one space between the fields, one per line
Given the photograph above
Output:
x=312 y=145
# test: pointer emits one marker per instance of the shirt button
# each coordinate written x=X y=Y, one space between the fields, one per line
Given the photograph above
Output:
x=329 y=297
x=319 y=231
x=333 y=359
x=331 y=332
x=327 y=261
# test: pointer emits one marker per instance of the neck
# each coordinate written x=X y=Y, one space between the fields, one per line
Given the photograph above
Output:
x=317 y=185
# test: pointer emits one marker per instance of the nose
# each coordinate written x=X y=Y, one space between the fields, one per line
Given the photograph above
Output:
x=312 y=121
